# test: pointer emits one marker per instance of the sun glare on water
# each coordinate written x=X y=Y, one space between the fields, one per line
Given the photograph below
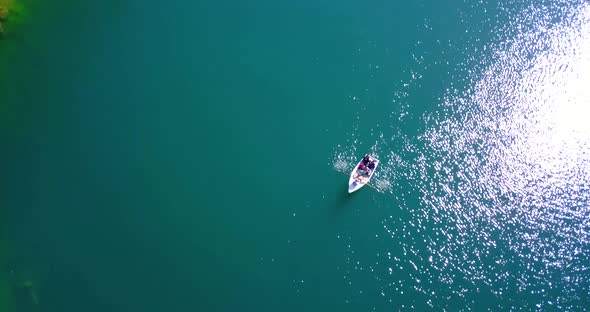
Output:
x=510 y=181
x=503 y=174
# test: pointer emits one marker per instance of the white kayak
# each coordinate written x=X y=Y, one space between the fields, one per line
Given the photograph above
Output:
x=358 y=177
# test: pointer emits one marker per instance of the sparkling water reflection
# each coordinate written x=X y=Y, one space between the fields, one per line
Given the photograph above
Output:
x=503 y=170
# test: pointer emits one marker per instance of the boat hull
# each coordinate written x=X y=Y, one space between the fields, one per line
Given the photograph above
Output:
x=359 y=178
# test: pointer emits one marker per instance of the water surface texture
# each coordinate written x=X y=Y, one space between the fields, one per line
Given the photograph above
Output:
x=184 y=156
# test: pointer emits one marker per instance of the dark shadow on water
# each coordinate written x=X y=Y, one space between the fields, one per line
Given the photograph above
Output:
x=343 y=200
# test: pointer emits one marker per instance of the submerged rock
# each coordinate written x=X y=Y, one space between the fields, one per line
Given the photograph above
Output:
x=24 y=290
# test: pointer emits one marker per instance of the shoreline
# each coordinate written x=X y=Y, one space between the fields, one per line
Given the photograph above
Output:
x=7 y=303
x=6 y=296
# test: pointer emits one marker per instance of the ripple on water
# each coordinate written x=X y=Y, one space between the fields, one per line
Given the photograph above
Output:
x=503 y=172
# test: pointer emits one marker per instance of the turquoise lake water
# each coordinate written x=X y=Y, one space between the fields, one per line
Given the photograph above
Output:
x=184 y=156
